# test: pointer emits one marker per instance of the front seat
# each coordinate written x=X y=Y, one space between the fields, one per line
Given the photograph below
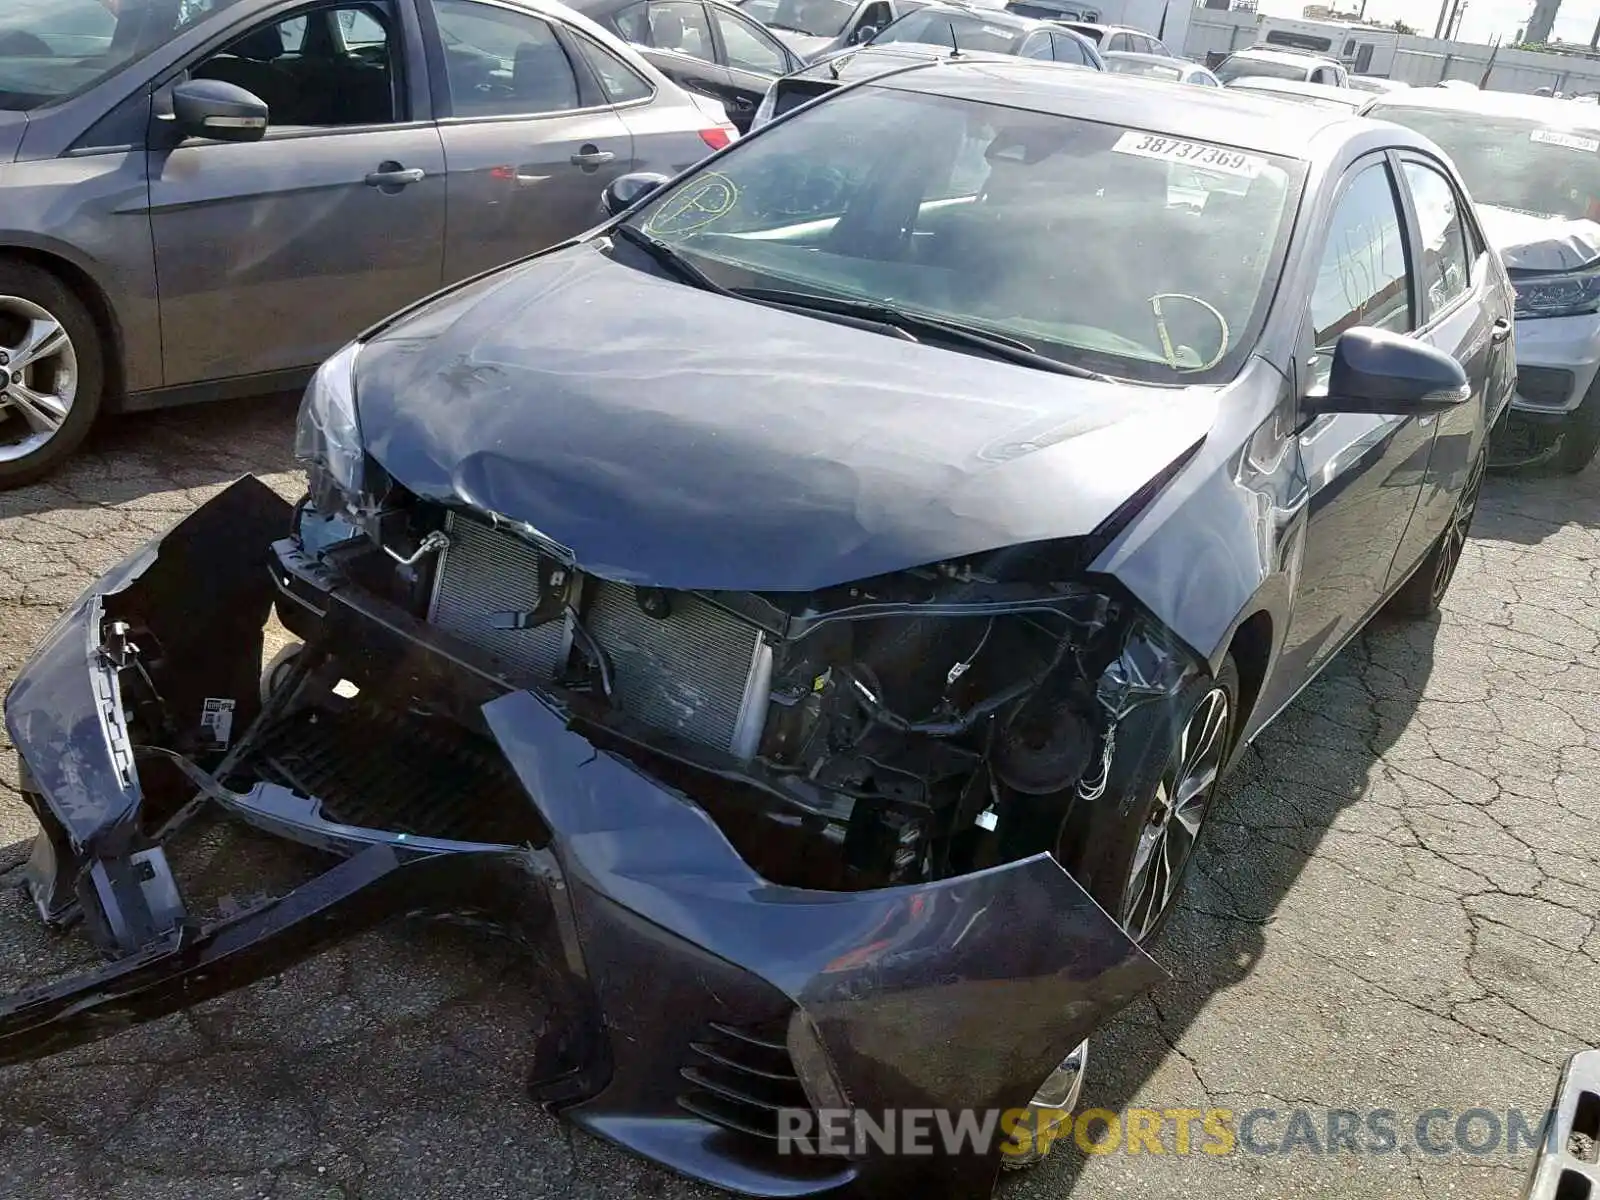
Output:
x=250 y=63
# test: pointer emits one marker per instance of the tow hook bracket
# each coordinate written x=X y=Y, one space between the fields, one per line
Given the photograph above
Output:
x=133 y=901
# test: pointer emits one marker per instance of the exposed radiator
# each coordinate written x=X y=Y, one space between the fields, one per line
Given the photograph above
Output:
x=698 y=672
x=485 y=572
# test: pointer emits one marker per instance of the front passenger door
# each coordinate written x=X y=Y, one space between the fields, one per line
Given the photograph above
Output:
x=1364 y=473
x=530 y=141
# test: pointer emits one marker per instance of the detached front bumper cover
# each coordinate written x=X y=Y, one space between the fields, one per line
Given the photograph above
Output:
x=658 y=941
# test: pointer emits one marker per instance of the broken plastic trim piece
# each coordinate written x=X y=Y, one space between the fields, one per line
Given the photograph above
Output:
x=191 y=964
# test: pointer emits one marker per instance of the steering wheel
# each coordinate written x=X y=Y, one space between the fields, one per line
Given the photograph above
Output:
x=1168 y=351
x=19 y=43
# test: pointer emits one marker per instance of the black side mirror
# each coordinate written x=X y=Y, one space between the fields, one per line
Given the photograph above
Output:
x=1387 y=374
x=623 y=192
x=210 y=108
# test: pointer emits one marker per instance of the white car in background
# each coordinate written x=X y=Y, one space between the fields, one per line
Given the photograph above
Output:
x=1293 y=91
x=1532 y=164
x=1159 y=66
x=1259 y=61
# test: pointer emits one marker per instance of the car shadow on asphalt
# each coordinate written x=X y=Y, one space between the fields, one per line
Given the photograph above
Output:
x=1265 y=826
x=129 y=457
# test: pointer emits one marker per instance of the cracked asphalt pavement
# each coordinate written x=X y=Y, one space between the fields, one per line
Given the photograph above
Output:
x=1394 y=907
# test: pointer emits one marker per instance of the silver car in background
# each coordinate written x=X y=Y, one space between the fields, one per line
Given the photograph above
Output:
x=205 y=200
x=1533 y=166
x=1159 y=66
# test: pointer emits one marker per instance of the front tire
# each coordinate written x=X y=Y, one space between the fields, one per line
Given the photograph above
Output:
x=52 y=373
x=1134 y=845
x=1580 y=438
x=1422 y=595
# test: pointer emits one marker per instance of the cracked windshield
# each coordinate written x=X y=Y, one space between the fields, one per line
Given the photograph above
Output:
x=1160 y=253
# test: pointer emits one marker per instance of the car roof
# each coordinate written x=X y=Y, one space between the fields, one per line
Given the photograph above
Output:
x=999 y=16
x=1557 y=114
x=1216 y=115
x=868 y=62
x=1297 y=87
x=1295 y=58
x=1165 y=60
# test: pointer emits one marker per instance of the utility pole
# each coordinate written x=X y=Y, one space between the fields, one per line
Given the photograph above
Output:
x=1438 y=26
x=1594 y=42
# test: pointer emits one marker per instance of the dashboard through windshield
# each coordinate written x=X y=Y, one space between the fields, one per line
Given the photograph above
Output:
x=1121 y=250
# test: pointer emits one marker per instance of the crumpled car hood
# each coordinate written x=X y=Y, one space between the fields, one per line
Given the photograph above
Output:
x=672 y=437
x=1528 y=242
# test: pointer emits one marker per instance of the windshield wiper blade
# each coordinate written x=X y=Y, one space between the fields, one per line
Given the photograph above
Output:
x=1000 y=345
x=669 y=258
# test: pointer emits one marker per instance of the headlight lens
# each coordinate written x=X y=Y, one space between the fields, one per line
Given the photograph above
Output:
x=1564 y=295
x=769 y=104
x=327 y=438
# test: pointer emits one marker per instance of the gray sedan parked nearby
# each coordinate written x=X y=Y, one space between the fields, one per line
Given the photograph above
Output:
x=204 y=201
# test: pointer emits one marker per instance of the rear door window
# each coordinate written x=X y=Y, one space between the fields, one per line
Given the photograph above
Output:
x=1069 y=49
x=748 y=46
x=502 y=62
x=620 y=82
x=682 y=28
x=1037 y=46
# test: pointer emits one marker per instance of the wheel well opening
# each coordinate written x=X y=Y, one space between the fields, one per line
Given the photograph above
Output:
x=87 y=291
x=1251 y=649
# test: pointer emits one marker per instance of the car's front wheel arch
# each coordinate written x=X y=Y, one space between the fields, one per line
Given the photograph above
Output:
x=92 y=296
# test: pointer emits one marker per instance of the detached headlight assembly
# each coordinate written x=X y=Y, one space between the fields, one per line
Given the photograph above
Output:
x=1567 y=294
x=327 y=438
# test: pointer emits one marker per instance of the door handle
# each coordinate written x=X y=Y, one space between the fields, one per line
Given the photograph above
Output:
x=1501 y=330
x=591 y=157
x=393 y=175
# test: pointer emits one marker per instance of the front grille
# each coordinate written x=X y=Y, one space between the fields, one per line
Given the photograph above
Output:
x=1545 y=387
x=486 y=573
x=696 y=672
x=376 y=769
x=740 y=1078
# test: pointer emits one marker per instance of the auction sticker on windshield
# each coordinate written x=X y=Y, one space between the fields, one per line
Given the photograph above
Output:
x=1571 y=141
x=1194 y=154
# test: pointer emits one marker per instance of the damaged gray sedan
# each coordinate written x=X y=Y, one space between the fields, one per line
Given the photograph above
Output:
x=813 y=612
